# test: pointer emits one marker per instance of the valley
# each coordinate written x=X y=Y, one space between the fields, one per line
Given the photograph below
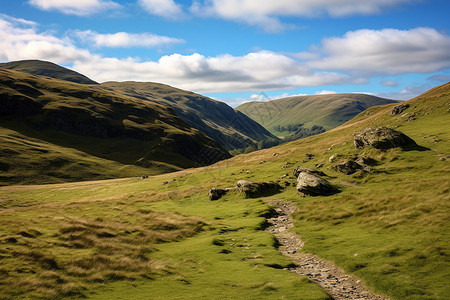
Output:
x=161 y=235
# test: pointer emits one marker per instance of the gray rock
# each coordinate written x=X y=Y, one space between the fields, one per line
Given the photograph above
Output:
x=333 y=157
x=348 y=167
x=256 y=189
x=382 y=138
x=399 y=109
x=310 y=184
x=216 y=194
x=300 y=169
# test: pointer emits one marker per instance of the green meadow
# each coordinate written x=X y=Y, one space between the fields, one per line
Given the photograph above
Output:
x=162 y=238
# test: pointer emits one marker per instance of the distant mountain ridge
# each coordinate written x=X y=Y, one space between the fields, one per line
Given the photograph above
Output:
x=54 y=130
x=46 y=68
x=232 y=129
x=327 y=111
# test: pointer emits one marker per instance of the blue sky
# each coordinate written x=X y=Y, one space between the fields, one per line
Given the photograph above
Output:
x=240 y=50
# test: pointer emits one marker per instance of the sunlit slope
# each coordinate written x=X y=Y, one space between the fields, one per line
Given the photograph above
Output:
x=49 y=125
x=45 y=68
x=232 y=129
x=328 y=111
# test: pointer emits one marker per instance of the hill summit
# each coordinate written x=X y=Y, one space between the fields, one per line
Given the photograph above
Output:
x=46 y=68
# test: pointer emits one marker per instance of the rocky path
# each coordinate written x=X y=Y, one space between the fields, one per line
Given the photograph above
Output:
x=332 y=279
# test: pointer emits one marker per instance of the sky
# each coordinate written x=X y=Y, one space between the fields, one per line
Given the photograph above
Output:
x=240 y=50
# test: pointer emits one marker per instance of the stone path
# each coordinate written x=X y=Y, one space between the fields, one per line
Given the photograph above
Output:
x=332 y=279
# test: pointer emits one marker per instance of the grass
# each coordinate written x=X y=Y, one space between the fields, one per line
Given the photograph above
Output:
x=388 y=227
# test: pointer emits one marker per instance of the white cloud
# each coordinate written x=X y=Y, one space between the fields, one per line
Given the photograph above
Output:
x=75 y=7
x=387 y=51
x=325 y=92
x=20 y=40
x=255 y=71
x=267 y=13
x=164 y=8
x=124 y=39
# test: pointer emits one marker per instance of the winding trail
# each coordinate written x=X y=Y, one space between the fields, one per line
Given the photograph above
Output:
x=332 y=279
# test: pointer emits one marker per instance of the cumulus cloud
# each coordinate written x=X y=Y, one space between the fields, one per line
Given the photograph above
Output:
x=20 y=40
x=255 y=71
x=387 y=51
x=267 y=13
x=76 y=7
x=337 y=61
x=125 y=40
x=164 y=8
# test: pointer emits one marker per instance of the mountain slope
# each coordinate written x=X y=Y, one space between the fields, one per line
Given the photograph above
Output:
x=48 y=125
x=328 y=111
x=45 y=68
x=233 y=130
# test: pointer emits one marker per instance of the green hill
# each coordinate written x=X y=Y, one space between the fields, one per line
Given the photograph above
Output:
x=163 y=238
x=45 y=68
x=328 y=111
x=233 y=130
x=54 y=130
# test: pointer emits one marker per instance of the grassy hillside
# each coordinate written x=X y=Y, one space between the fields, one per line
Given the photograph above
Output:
x=388 y=227
x=53 y=130
x=328 y=111
x=45 y=68
x=233 y=130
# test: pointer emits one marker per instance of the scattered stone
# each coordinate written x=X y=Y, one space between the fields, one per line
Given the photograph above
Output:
x=309 y=156
x=300 y=169
x=261 y=162
x=309 y=184
x=276 y=154
x=216 y=194
x=283 y=176
x=144 y=177
x=348 y=167
x=287 y=164
x=248 y=172
x=256 y=189
x=399 y=109
x=412 y=117
x=318 y=166
x=165 y=182
x=382 y=138
x=333 y=157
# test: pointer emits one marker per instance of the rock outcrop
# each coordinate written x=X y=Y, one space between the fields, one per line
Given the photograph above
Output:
x=255 y=189
x=300 y=169
x=310 y=184
x=216 y=194
x=399 y=109
x=382 y=138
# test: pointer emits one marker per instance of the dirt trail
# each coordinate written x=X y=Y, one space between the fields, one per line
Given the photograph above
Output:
x=332 y=279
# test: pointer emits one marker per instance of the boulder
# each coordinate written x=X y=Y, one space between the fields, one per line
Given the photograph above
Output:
x=348 y=166
x=256 y=189
x=382 y=138
x=399 y=109
x=216 y=194
x=300 y=169
x=310 y=184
